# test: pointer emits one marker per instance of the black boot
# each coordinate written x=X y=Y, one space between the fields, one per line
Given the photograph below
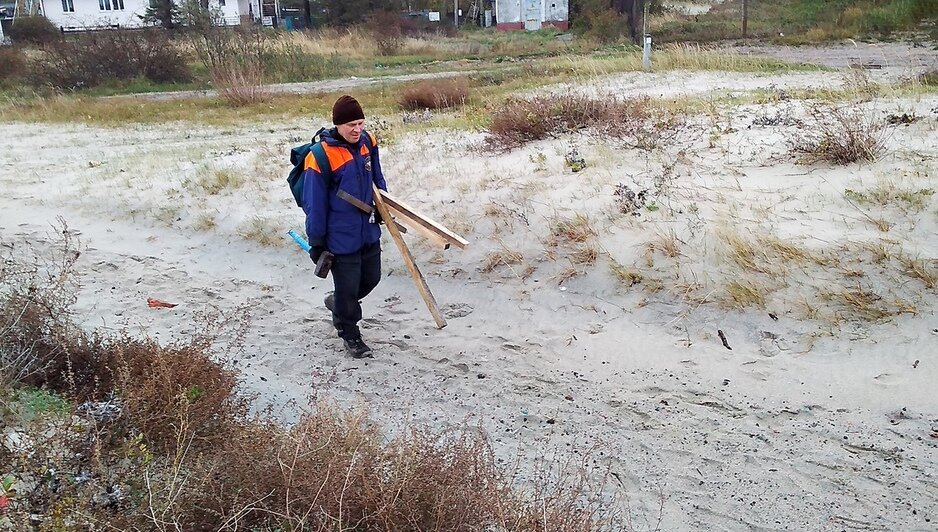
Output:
x=357 y=348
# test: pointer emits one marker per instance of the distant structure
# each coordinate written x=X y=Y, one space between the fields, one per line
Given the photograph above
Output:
x=531 y=15
x=78 y=15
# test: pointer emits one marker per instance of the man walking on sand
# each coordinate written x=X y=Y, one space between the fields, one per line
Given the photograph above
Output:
x=335 y=225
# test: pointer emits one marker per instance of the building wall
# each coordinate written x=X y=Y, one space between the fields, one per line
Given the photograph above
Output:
x=88 y=13
x=510 y=14
x=229 y=10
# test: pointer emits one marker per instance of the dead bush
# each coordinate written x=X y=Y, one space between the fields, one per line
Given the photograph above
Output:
x=90 y=59
x=36 y=294
x=634 y=122
x=434 y=94
x=838 y=134
x=12 y=64
x=240 y=82
x=235 y=62
x=36 y=30
x=386 y=29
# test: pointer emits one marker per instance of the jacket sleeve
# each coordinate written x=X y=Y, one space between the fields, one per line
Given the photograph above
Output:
x=376 y=174
x=315 y=205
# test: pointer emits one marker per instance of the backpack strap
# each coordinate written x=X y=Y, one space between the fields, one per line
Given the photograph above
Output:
x=369 y=141
x=322 y=160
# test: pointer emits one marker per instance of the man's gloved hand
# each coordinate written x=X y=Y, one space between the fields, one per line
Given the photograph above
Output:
x=315 y=252
x=378 y=218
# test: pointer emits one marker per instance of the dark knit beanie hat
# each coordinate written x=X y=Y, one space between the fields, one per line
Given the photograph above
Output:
x=346 y=109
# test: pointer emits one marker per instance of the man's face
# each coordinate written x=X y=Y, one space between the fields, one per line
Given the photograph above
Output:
x=351 y=131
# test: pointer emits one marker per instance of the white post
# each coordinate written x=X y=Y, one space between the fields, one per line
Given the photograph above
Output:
x=456 y=13
x=646 y=53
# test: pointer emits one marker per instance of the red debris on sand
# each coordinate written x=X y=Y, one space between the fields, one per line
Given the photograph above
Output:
x=156 y=303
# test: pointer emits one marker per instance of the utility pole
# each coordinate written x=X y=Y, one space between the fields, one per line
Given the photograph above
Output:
x=745 y=18
x=456 y=13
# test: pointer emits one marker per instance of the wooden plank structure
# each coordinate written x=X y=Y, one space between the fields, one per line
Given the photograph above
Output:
x=419 y=222
x=388 y=207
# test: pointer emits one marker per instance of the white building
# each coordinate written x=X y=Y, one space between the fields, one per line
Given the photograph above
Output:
x=531 y=14
x=72 y=15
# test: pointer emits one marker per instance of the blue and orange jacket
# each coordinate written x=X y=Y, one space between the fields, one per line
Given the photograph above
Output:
x=331 y=221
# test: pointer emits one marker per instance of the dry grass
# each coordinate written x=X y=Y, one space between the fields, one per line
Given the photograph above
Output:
x=576 y=230
x=628 y=276
x=584 y=255
x=214 y=182
x=861 y=302
x=743 y=294
x=670 y=57
x=264 y=230
x=667 y=244
x=505 y=257
x=205 y=222
x=918 y=268
x=890 y=194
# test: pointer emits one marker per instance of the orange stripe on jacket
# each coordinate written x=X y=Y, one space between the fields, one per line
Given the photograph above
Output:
x=337 y=156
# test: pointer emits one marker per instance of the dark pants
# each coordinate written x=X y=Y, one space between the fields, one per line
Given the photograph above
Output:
x=355 y=275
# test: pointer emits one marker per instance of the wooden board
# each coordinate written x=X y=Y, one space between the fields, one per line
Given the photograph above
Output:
x=432 y=236
x=409 y=214
x=409 y=261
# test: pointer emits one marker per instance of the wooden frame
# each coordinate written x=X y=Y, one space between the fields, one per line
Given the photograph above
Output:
x=414 y=219
x=409 y=259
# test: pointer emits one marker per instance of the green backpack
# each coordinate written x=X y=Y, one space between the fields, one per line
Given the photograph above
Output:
x=298 y=158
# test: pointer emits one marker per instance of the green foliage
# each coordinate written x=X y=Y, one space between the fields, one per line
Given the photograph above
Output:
x=28 y=403
x=164 y=13
x=346 y=12
x=285 y=62
x=800 y=21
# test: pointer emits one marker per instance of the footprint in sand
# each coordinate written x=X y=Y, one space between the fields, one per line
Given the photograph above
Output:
x=457 y=310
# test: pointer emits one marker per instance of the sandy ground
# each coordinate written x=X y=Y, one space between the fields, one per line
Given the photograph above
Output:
x=814 y=420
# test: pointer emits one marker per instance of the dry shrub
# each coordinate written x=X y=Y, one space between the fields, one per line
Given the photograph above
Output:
x=387 y=32
x=12 y=64
x=840 y=134
x=37 y=293
x=240 y=82
x=434 y=94
x=90 y=59
x=36 y=30
x=235 y=62
x=635 y=121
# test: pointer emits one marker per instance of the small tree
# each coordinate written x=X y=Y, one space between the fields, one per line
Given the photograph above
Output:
x=162 y=12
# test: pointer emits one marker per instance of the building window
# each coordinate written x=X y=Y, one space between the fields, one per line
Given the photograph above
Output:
x=110 y=5
x=221 y=3
x=68 y=6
